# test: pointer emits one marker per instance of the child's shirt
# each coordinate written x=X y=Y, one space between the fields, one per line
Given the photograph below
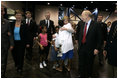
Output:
x=65 y=39
x=56 y=39
x=43 y=39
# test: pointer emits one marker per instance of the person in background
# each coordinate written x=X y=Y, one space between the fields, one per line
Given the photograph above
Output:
x=50 y=28
x=21 y=40
x=108 y=27
x=6 y=42
x=32 y=30
x=66 y=44
x=110 y=50
x=104 y=36
x=55 y=48
x=43 y=48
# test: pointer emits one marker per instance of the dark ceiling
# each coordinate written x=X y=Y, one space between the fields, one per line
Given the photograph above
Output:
x=91 y=5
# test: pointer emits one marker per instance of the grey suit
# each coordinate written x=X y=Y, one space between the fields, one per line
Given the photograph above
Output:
x=6 y=42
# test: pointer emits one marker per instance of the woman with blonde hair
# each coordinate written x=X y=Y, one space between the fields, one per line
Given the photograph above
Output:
x=20 y=37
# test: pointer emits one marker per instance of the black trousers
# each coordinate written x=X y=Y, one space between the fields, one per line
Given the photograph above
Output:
x=4 y=56
x=100 y=55
x=43 y=54
x=29 y=51
x=86 y=59
x=18 y=54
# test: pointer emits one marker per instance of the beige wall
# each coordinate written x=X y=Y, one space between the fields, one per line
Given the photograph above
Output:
x=12 y=4
x=40 y=13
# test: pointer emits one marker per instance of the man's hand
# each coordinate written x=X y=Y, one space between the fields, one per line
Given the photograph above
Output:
x=27 y=45
x=76 y=41
x=11 y=47
x=96 y=51
x=34 y=38
x=104 y=53
x=105 y=43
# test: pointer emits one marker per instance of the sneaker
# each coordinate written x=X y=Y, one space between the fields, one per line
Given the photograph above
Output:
x=41 y=66
x=44 y=64
x=54 y=67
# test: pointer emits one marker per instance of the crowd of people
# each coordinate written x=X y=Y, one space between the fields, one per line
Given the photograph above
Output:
x=92 y=38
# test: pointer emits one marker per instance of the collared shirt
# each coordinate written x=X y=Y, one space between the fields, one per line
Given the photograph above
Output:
x=47 y=22
x=28 y=20
x=88 y=24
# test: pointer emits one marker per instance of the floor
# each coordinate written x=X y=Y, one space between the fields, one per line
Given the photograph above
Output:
x=32 y=70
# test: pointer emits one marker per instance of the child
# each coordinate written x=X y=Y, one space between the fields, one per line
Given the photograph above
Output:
x=43 y=46
x=54 y=48
x=66 y=43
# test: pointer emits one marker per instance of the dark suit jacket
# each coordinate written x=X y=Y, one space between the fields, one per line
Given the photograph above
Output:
x=93 y=37
x=23 y=32
x=111 y=45
x=6 y=40
x=104 y=31
x=50 y=29
x=32 y=29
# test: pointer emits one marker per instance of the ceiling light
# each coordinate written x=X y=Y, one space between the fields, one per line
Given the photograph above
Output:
x=61 y=4
x=106 y=9
x=91 y=2
x=48 y=3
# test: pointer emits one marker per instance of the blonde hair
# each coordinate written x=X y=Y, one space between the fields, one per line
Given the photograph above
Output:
x=18 y=12
x=27 y=12
x=65 y=18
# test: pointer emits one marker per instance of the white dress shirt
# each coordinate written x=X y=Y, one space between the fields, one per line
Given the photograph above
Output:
x=28 y=20
x=47 y=22
x=88 y=24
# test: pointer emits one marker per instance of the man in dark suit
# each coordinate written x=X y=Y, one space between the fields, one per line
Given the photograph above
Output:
x=104 y=34
x=111 y=50
x=32 y=30
x=50 y=27
x=6 y=42
x=89 y=39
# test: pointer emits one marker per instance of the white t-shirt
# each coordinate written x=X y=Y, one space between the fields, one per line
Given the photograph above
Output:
x=56 y=39
x=65 y=38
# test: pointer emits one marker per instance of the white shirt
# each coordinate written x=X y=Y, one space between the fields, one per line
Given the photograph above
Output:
x=27 y=20
x=47 y=22
x=65 y=38
x=56 y=39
